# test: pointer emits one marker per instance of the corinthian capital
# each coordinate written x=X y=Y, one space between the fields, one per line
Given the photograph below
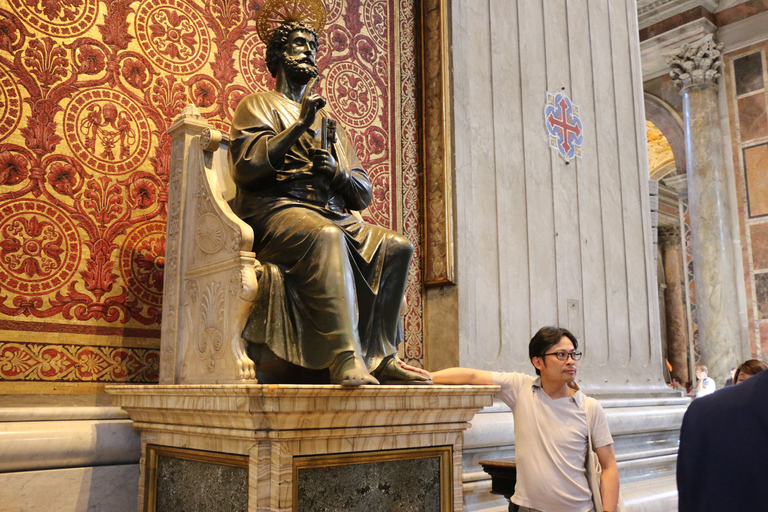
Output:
x=669 y=237
x=697 y=63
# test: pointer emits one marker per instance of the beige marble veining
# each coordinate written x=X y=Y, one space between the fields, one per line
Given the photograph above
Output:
x=274 y=424
x=285 y=407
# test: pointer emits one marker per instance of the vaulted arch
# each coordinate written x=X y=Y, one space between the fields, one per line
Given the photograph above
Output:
x=664 y=117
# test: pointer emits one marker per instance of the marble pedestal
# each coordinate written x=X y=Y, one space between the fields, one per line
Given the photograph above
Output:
x=274 y=432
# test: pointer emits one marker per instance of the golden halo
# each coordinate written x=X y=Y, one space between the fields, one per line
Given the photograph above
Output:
x=276 y=12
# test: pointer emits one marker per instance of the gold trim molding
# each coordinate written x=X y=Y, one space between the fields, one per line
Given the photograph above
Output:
x=25 y=362
x=437 y=128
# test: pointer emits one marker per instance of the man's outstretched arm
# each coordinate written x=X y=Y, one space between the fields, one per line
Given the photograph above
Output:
x=462 y=376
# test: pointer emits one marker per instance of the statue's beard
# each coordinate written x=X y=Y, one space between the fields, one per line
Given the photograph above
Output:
x=297 y=71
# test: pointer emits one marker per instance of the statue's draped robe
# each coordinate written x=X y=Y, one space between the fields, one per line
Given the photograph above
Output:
x=331 y=282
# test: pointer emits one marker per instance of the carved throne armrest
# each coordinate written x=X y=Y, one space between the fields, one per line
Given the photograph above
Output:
x=210 y=275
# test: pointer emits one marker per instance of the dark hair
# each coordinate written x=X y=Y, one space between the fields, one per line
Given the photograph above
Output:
x=546 y=338
x=749 y=367
x=277 y=42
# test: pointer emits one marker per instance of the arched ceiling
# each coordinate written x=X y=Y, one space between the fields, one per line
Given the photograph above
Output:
x=661 y=161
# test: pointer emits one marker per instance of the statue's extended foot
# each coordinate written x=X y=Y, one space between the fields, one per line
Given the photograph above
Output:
x=390 y=372
x=348 y=369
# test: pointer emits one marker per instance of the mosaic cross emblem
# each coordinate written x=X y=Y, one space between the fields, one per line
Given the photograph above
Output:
x=561 y=117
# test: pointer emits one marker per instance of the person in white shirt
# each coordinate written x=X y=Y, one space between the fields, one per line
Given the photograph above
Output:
x=706 y=385
x=550 y=427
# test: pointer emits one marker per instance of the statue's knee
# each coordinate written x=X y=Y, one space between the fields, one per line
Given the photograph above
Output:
x=330 y=236
x=401 y=246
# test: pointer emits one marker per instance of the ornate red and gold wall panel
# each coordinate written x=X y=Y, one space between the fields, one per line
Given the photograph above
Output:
x=87 y=91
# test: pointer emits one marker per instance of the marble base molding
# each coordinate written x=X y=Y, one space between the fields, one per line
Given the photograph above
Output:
x=84 y=489
x=279 y=428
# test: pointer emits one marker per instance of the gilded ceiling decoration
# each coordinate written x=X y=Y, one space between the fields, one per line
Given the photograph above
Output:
x=659 y=151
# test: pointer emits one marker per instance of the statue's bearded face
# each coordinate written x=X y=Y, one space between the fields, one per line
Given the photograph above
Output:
x=299 y=57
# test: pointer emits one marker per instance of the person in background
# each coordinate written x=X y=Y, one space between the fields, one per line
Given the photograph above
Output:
x=721 y=464
x=747 y=369
x=550 y=427
x=730 y=380
x=677 y=385
x=706 y=385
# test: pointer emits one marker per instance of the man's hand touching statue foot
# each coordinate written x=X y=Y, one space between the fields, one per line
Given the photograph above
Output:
x=392 y=371
x=348 y=369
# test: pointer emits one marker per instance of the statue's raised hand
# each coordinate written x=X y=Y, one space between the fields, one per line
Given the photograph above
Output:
x=310 y=104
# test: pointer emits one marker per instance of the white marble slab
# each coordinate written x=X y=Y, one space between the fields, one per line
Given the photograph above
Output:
x=60 y=413
x=28 y=445
x=96 y=489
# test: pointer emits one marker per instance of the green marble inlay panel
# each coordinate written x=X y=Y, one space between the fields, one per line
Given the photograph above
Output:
x=194 y=486
x=411 y=485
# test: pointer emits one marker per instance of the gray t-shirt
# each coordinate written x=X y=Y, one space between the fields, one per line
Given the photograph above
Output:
x=550 y=444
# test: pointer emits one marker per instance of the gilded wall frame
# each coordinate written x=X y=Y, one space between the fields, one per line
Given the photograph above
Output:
x=437 y=131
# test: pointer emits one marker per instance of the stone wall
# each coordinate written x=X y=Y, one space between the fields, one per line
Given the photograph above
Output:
x=541 y=240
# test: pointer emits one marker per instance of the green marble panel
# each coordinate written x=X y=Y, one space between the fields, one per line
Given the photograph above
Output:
x=411 y=485
x=194 y=486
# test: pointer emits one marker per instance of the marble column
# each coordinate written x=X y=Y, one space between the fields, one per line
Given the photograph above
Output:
x=674 y=305
x=695 y=69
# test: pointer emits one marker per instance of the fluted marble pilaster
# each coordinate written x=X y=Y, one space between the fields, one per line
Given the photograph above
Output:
x=695 y=68
x=674 y=308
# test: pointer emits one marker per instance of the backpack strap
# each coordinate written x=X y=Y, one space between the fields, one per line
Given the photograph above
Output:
x=589 y=406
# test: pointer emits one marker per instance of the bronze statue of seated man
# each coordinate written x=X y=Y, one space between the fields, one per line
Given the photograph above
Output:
x=330 y=292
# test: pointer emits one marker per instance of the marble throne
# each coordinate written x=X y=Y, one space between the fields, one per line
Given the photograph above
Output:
x=210 y=274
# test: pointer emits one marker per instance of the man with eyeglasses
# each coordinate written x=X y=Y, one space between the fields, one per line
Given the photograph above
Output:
x=550 y=427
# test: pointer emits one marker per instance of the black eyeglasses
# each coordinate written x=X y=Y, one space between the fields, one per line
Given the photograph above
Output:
x=563 y=355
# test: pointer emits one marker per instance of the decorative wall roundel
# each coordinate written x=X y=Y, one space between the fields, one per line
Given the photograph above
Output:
x=57 y=18
x=142 y=261
x=380 y=187
x=253 y=65
x=10 y=104
x=173 y=35
x=356 y=98
x=107 y=131
x=333 y=8
x=40 y=247
x=375 y=16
